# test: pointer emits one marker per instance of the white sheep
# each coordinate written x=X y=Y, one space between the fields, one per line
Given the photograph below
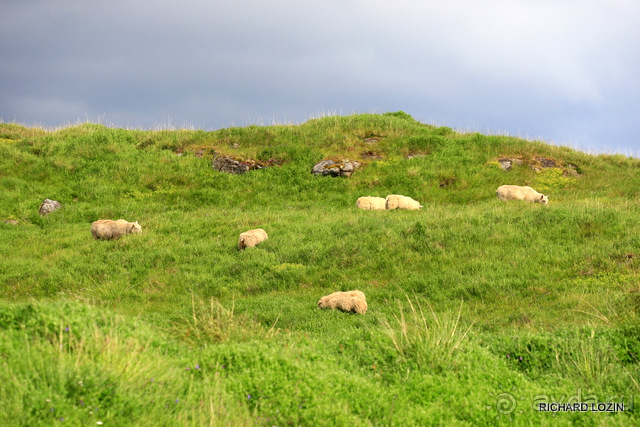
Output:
x=251 y=238
x=397 y=201
x=515 y=192
x=351 y=301
x=371 y=203
x=107 y=229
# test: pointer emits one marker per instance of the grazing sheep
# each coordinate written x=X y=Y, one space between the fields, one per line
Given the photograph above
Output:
x=107 y=229
x=351 y=301
x=251 y=238
x=371 y=203
x=397 y=201
x=515 y=192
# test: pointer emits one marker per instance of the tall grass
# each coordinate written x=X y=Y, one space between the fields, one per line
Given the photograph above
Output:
x=431 y=343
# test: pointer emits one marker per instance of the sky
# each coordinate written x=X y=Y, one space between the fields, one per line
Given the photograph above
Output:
x=561 y=71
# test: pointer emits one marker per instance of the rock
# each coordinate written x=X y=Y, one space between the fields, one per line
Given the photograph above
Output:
x=540 y=163
x=234 y=166
x=371 y=140
x=11 y=221
x=547 y=163
x=49 y=206
x=571 y=170
x=342 y=168
x=506 y=163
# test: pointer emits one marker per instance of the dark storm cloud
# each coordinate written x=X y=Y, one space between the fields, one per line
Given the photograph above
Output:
x=565 y=72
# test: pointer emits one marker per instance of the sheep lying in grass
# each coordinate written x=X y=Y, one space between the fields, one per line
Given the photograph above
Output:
x=397 y=201
x=107 y=229
x=515 y=192
x=251 y=238
x=351 y=301
x=371 y=203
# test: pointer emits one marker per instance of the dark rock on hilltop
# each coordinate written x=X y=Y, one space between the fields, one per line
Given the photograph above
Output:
x=538 y=164
x=235 y=166
x=330 y=167
x=507 y=163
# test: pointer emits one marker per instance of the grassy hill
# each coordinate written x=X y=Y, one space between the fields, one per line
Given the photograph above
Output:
x=479 y=309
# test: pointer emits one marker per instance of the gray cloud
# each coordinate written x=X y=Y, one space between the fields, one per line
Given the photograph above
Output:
x=564 y=71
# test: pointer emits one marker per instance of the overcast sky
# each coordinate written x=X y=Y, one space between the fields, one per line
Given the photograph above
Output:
x=564 y=71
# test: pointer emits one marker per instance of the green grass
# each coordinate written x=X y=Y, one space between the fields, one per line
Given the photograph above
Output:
x=478 y=308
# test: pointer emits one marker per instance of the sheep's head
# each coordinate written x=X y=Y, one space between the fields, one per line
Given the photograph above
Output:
x=544 y=199
x=135 y=228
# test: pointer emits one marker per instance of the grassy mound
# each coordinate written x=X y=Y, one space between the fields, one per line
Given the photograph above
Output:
x=479 y=310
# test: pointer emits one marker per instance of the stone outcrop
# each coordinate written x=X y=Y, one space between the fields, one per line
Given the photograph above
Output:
x=49 y=206
x=330 y=167
x=506 y=163
x=235 y=166
x=538 y=164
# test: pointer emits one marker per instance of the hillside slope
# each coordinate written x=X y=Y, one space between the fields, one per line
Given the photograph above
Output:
x=478 y=309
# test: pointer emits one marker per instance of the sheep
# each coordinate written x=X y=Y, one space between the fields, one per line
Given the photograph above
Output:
x=351 y=301
x=515 y=192
x=251 y=238
x=107 y=229
x=397 y=201
x=371 y=203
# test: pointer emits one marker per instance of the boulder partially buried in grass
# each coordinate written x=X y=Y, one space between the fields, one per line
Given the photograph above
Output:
x=49 y=206
x=235 y=166
x=343 y=168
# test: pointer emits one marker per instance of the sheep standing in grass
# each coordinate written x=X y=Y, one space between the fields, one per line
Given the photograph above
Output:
x=515 y=192
x=371 y=203
x=351 y=301
x=107 y=229
x=397 y=201
x=251 y=238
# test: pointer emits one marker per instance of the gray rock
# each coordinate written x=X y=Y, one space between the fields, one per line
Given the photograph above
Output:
x=49 y=206
x=330 y=167
x=507 y=163
x=234 y=166
x=547 y=163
